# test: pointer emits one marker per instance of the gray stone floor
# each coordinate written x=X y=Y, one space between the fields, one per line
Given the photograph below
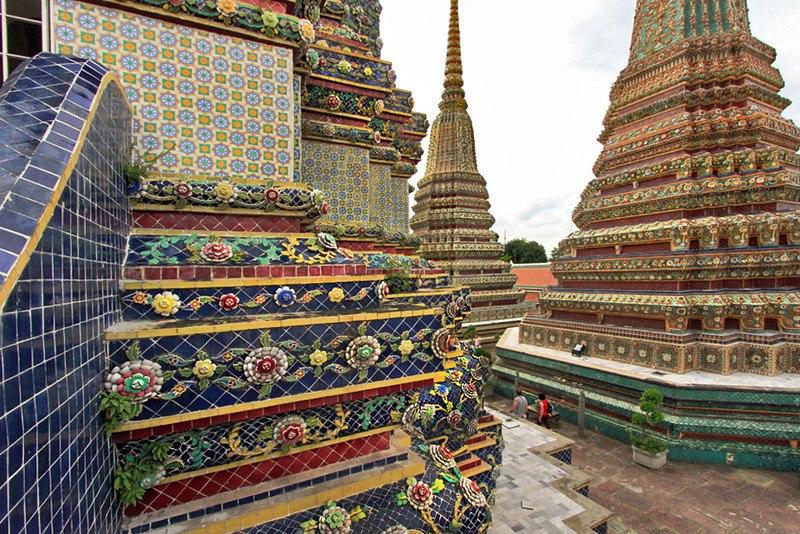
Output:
x=524 y=479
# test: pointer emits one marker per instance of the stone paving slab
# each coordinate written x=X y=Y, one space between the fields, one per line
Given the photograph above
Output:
x=528 y=477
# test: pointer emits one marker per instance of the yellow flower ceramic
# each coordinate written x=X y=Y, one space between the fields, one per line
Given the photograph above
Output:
x=319 y=358
x=336 y=295
x=224 y=191
x=166 y=304
x=406 y=347
x=368 y=72
x=227 y=6
x=204 y=368
x=307 y=31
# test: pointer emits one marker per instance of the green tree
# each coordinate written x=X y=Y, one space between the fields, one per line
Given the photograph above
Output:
x=524 y=251
x=556 y=253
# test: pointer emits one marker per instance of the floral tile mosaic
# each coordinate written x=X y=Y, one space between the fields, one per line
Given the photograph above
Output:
x=388 y=200
x=218 y=105
x=196 y=372
x=343 y=174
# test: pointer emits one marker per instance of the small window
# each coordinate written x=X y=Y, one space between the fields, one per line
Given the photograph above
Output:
x=24 y=32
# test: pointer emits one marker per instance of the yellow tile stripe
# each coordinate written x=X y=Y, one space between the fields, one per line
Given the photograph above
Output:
x=313 y=498
x=47 y=213
x=482 y=444
x=139 y=330
x=247 y=406
x=275 y=455
x=132 y=285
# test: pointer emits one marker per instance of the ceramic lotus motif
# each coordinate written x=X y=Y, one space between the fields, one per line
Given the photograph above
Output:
x=216 y=252
x=472 y=492
x=290 y=431
x=335 y=520
x=266 y=365
x=137 y=380
x=363 y=352
x=419 y=495
x=442 y=457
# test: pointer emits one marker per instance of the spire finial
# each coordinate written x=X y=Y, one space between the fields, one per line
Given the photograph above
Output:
x=453 y=96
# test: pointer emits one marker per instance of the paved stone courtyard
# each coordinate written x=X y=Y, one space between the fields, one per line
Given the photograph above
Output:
x=677 y=499
x=685 y=498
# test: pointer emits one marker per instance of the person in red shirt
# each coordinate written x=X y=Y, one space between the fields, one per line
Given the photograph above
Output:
x=544 y=411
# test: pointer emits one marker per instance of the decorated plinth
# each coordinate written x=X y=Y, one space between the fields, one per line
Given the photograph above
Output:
x=686 y=258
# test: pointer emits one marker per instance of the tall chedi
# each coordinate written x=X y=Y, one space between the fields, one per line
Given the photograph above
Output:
x=686 y=266
x=452 y=212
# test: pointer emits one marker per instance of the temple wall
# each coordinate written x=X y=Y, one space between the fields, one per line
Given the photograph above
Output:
x=218 y=105
x=55 y=462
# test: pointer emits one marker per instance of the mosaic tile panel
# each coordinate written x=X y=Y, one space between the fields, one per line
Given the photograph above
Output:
x=343 y=174
x=219 y=105
x=388 y=200
x=55 y=463
x=225 y=375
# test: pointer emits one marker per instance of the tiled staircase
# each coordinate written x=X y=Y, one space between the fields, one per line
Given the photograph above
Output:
x=266 y=369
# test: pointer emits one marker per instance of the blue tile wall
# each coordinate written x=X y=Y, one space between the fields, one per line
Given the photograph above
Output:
x=55 y=462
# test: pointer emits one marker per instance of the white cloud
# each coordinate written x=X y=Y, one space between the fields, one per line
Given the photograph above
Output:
x=537 y=79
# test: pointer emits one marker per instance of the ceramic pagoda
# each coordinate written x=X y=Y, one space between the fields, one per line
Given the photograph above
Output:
x=452 y=208
x=686 y=259
x=196 y=314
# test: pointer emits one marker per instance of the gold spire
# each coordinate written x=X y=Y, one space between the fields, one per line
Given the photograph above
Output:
x=453 y=96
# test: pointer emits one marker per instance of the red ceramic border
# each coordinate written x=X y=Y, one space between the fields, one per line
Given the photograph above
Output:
x=170 y=220
x=202 y=486
x=206 y=273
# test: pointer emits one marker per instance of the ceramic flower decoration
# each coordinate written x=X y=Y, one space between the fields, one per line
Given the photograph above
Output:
x=166 y=304
x=137 y=380
x=285 y=297
x=335 y=520
x=472 y=491
x=419 y=495
x=336 y=295
x=406 y=347
x=363 y=352
x=216 y=252
x=266 y=365
x=290 y=431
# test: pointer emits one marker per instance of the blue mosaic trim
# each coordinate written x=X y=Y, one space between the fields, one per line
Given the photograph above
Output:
x=254 y=300
x=43 y=107
x=55 y=463
x=183 y=392
x=188 y=250
x=365 y=468
x=564 y=455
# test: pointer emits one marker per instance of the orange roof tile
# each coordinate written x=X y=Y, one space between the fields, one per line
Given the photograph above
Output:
x=534 y=275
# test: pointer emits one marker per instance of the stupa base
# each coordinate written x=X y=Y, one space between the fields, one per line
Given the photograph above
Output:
x=742 y=419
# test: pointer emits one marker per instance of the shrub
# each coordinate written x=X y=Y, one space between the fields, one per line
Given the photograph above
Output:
x=648 y=417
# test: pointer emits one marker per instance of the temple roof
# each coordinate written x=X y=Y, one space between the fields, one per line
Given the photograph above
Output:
x=661 y=23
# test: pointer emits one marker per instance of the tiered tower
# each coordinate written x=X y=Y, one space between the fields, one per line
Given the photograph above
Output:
x=687 y=256
x=254 y=372
x=452 y=212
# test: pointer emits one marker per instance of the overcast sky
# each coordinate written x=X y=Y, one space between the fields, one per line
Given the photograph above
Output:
x=537 y=77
